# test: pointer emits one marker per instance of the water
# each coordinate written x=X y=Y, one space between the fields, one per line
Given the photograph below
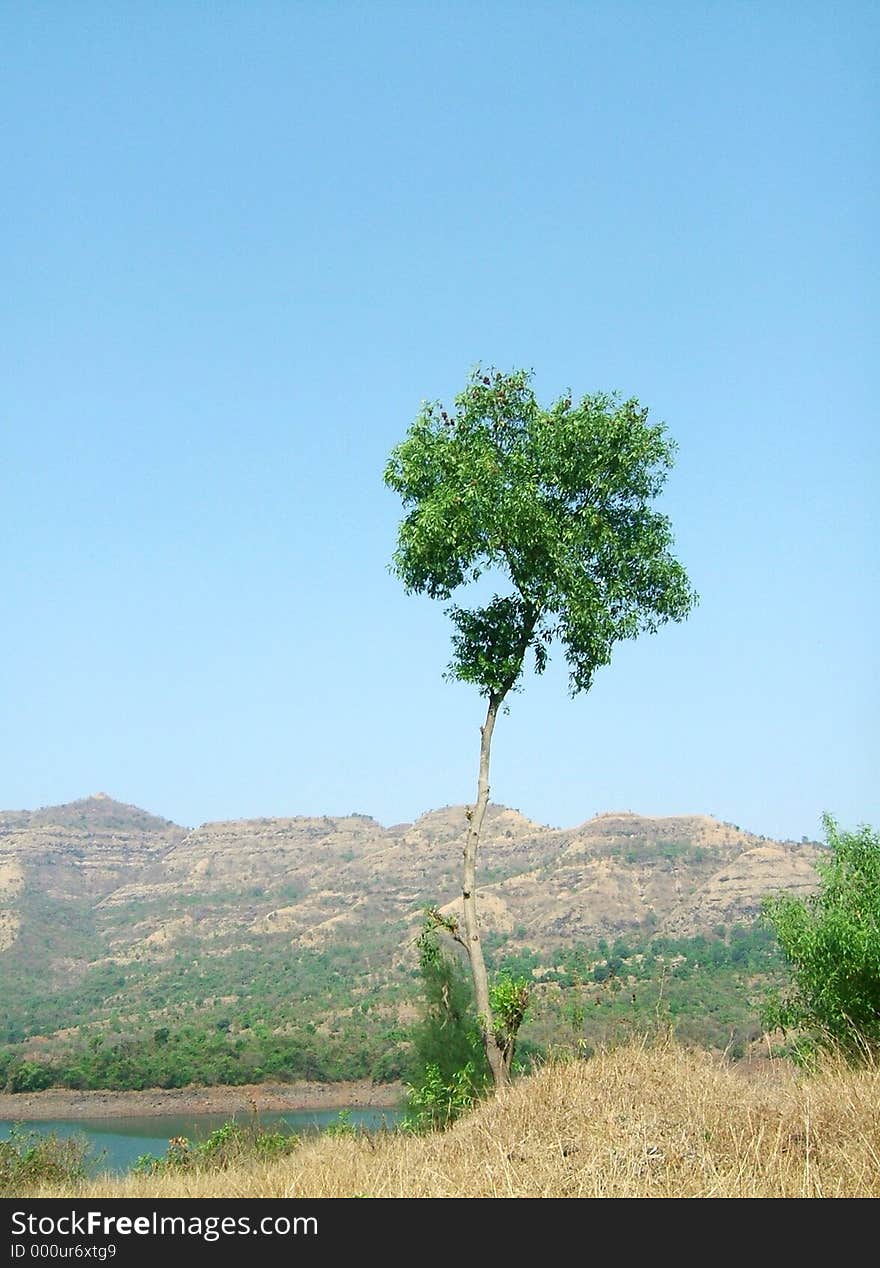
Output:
x=117 y=1143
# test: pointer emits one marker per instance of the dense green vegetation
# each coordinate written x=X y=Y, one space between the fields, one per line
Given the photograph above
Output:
x=708 y=989
x=253 y=1014
x=269 y=1013
x=831 y=941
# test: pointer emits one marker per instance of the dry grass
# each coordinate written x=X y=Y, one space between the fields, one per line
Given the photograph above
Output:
x=652 y=1121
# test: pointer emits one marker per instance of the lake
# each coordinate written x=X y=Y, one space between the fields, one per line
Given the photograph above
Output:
x=117 y=1143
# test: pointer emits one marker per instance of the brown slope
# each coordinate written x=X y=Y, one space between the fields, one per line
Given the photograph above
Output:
x=620 y=872
x=313 y=879
x=152 y=888
x=73 y=854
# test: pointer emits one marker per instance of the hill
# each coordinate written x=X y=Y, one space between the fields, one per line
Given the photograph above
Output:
x=150 y=883
x=116 y=924
x=60 y=859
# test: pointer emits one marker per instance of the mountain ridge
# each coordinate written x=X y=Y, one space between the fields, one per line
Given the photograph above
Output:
x=132 y=948
x=318 y=876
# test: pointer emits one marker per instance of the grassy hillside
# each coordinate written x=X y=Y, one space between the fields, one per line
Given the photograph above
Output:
x=636 y=1120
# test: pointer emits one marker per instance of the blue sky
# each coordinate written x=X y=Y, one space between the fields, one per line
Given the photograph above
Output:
x=242 y=242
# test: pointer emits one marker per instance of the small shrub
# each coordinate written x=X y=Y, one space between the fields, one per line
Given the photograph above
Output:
x=343 y=1125
x=29 y=1159
x=228 y=1146
x=437 y=1102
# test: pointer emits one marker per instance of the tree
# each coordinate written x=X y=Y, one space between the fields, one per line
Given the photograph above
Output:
x=831 y=940
x=554 y=505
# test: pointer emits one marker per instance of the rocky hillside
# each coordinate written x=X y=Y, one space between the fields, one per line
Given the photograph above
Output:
x=74 y=854
x=136 y=953
x=145 y=887
x=678 y=876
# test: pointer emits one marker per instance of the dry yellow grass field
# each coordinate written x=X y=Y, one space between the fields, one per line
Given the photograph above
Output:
x=637 y=1121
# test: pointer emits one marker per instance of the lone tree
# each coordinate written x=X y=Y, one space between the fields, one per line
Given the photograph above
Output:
x=555 y=506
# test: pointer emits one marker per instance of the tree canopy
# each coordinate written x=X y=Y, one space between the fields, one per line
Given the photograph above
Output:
x=557 y=501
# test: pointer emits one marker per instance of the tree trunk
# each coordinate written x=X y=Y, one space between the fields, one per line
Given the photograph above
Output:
x=494 y=1055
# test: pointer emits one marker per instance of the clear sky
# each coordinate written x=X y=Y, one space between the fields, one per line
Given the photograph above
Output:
x=241 y=243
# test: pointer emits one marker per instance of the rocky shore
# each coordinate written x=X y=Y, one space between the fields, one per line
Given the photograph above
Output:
x=270 y=1098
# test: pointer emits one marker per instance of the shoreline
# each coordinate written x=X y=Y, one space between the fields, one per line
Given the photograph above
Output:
x=269 y=1098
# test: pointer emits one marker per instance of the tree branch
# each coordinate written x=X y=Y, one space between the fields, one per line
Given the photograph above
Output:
x=449 y=924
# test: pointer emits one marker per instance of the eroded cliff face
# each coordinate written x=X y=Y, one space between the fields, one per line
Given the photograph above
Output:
x=679 y=876
x=734 y=892
x=74 y=856
x=137 y=887
x=11 y=885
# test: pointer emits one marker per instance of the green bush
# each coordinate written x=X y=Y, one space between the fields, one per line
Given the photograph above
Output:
x=831 y=941
x=30 y=1076
x=447 y=1035
x=438 y=1101
x=343 y=1125
x=228 y=1146
x=29 y=1159
x=448 y=1066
